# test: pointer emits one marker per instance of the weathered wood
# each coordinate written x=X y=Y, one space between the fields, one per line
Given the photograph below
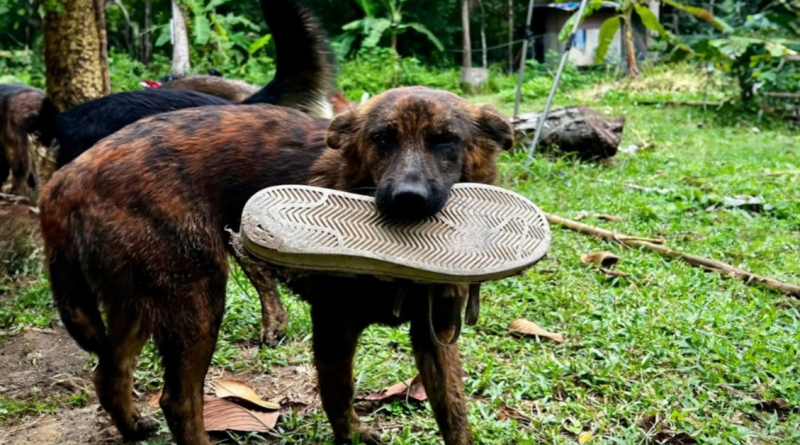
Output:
x=723 y=269
x=579 y=130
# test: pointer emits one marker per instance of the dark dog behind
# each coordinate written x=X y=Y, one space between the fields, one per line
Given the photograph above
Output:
x=137 y=226
x=20 y=110
x=304 y=80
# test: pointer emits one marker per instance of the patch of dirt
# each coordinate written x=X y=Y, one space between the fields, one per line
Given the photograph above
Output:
x=41 y=364
x=88 y=425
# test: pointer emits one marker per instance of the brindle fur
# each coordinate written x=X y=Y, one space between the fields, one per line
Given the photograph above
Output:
x=228 y=89
x=19 y=112
x=137 y=226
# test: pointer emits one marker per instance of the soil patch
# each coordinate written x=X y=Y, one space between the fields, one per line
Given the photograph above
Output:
x=41 y=364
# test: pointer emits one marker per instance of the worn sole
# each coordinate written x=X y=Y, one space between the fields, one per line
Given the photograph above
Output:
x=483 y=233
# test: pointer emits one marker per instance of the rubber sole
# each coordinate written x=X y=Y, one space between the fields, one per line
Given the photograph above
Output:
x=483 y=233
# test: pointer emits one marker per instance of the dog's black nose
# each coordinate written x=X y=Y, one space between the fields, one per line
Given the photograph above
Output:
x=410 y=200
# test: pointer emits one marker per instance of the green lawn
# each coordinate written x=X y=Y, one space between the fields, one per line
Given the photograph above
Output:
x=670 y=351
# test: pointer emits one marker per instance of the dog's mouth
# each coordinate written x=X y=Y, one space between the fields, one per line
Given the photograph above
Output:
x=410 y=201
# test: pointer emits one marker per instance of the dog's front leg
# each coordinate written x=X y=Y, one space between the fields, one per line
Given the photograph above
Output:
x=440 y=366
x=335 y=340
x=273 y=315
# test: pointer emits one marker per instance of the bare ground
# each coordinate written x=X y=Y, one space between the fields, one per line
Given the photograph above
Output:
x=47 y=365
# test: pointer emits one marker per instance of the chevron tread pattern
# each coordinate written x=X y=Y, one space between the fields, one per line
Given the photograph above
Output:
x=481 y=229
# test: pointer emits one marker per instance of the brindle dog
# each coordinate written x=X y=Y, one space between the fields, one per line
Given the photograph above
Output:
x=137 y=226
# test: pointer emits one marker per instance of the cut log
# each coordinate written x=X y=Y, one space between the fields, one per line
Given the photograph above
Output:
x=579 y=130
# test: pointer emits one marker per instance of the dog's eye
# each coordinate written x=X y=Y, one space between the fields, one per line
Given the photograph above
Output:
x=441 y=139
x=384 y=138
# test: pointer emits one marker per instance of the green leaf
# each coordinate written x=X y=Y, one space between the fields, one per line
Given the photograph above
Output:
x=352 y=26
x=422 y=29
x=606 y=35
x=702 y=14
x=202 y=30
x=374 y=37
x=213 y=4
x=258 y=44
x=367 y=6
x=163 y=38
x=567 y=28
x=650 y=20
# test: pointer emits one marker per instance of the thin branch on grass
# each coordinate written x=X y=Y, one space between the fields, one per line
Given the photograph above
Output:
x=723 y=269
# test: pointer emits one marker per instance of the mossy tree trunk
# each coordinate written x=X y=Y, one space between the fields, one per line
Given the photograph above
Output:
x=76 y=55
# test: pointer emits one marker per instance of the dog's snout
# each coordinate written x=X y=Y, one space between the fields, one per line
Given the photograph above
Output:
x=410 y=198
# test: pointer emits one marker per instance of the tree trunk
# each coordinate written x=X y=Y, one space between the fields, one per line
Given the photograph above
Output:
x=147 y=42
x=630 y=46
x=180 y=43
x=510 y=36
x=467 y=40
x=484 y=52
x=76 y=56
x=394 y=41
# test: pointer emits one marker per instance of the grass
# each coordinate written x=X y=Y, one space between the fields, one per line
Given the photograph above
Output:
x=671 y=349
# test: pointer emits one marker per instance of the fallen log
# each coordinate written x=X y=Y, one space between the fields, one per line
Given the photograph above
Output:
x=579 y=130
x=723 y=269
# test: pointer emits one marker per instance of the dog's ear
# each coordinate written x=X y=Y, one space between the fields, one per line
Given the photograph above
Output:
x=493 y=127
x=343 y=129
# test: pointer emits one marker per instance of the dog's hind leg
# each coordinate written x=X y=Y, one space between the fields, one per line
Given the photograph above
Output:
x=186 y=342
x=273 y=314
x=440 y=365
x=335 y=340
x=116 y=349
x=113 y=377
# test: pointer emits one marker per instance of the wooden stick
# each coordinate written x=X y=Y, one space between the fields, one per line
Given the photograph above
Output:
x=724 y=269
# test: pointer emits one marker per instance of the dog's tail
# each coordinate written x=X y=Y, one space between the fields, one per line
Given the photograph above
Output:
x=78 y=305
x=306 y=65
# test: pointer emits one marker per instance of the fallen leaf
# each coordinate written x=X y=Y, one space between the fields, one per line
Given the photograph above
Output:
x=776 y=406
x=239 y=391
x=527 y=327
x=507 y=412
x=660 y=431
x=224 y=415
x=411 y=389
x=603 y=259
x=614 y=273
x=153 y=400
x=584 y=437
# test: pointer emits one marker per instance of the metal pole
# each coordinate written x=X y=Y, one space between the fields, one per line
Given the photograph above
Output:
x=543 y=117
x=528 y=39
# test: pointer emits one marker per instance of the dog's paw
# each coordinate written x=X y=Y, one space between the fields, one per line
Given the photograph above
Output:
x=370 y=436
x=142 y=429
x=271 y=336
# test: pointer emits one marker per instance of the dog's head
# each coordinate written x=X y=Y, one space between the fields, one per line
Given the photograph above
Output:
x=414 y=143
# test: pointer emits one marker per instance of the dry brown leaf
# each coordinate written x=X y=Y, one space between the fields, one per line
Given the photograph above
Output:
x=153 y=400
x=224 y=415
x=614 y=273
x=527 y=327
x=411 y=388
x=239 y=391
x=603 y=259
x=507 y=412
